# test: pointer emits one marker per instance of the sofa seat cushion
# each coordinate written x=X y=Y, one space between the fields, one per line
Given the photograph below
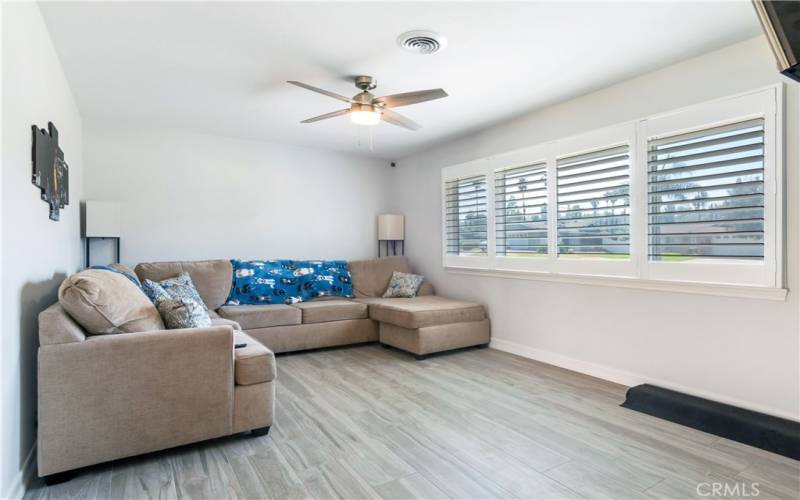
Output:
x=254 y=363
x=250 y=317
x=331 y=310
x=217 y=321
x=419 y=312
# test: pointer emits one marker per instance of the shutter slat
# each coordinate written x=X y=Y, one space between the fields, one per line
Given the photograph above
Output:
x=710 y=142
x=623 y=168
x=745 y=160
x=732 y=130
x=746 y=203
x=707 y=188
x=708 y=154
x=709 y=177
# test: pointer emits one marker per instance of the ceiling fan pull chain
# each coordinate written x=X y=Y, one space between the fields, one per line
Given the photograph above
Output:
x=370 y=141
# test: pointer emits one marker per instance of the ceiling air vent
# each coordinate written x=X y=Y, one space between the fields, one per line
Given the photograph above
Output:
x=422 y=42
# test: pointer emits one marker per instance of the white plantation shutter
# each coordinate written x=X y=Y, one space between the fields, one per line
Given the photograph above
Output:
x=690 y=199
x=465 y=216
x=593 y=196
x=521 y=211
x=706 y=194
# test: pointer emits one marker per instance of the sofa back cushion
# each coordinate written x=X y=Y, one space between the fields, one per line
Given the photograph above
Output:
x=371 y=277
x=212 y=278
x=107 y=302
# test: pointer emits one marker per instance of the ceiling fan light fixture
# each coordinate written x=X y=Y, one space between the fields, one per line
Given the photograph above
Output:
x=367 y=110
x=368 y=118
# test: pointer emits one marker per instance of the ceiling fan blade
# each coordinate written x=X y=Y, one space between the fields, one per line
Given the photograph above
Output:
x=322 y=91
x=390 y=116
x=327 y=115
x=408 y=98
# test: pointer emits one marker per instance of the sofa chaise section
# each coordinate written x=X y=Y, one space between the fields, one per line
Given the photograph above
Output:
x=419 y=312
x=421 y=325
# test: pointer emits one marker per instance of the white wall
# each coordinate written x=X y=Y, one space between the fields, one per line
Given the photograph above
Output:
x=37 y=253
x=192 y=196
x=743 y=351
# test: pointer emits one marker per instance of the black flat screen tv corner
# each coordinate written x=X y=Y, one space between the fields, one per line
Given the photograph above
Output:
x=774 y=434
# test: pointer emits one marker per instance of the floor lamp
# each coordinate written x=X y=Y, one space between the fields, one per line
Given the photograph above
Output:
x=390 y=231
x=102 y=221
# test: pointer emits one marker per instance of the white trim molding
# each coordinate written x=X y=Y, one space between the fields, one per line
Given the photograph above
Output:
x=22 y=480
x=622 y=377
x=739 y=291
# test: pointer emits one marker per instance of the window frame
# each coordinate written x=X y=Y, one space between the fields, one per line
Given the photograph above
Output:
x=519 y=158
x=717 y=278
x=763 y=104
x=598 y=140
x=468 y=169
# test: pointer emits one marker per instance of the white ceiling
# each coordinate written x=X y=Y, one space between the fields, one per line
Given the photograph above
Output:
x=221 y=67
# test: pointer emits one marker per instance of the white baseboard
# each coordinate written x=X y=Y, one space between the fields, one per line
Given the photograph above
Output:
x=625 y=378
x=21 y=481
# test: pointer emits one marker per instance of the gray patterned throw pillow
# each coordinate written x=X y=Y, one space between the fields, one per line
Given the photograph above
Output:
x=178 y=302
x=403 y=285
x=180 y=286
x=182 y=312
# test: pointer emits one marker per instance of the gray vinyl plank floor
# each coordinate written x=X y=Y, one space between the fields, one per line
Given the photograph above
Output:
x=368 y=422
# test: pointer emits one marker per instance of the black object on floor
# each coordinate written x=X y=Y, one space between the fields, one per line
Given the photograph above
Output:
x=261 y=431
x=763 y=431
x=58 y=478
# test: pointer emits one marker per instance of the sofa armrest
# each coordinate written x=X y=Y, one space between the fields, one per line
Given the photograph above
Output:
x=58 y=327
x=113 y=396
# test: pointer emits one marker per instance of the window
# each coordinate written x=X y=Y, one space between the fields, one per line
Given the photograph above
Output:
x=465 y=208
x=594 y=204
x=713 y=195
x=521 y=211
x=706 y=194
x=692 y=196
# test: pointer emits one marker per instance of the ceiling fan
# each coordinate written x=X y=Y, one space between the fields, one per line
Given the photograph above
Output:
x=366 y=109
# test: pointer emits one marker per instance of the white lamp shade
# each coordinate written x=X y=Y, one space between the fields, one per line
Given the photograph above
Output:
x=102 y=219
x=390 y=227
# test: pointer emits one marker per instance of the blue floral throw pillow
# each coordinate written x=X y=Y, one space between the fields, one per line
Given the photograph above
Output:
x=178 y=302
x=403 y=285
x=288 y=281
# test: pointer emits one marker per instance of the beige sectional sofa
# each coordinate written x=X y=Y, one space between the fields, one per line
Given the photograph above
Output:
x=105 y=397
x=421 y=325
